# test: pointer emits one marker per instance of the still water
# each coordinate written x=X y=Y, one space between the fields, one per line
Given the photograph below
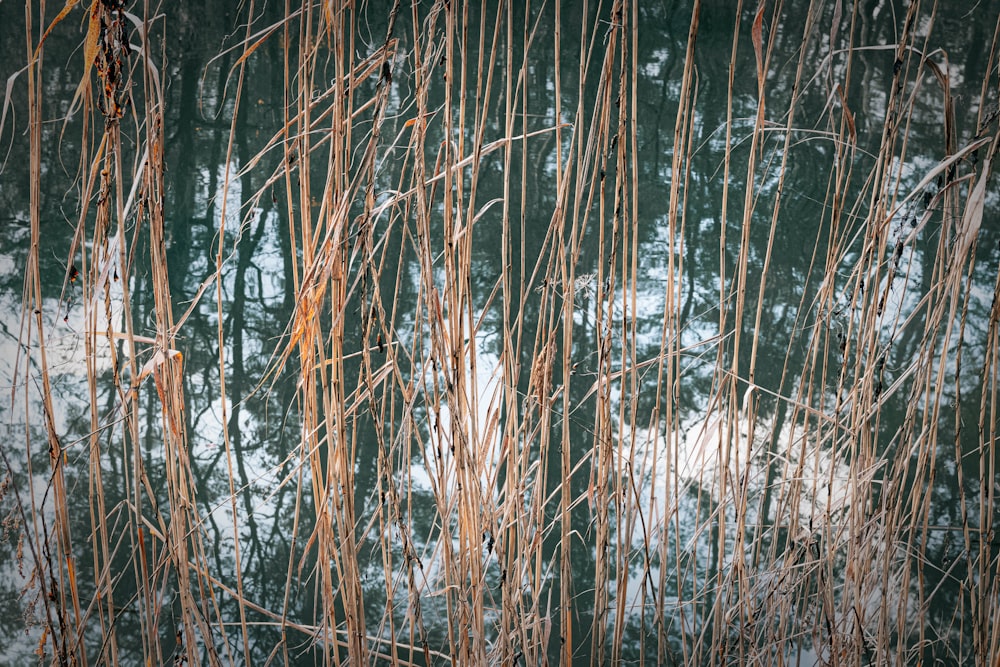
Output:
x=740 y=291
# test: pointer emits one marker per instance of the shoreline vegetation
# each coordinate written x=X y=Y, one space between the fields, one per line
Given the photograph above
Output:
x=499 y=428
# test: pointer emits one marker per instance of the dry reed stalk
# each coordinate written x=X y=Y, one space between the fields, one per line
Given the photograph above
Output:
x=801 y=517
x=106 y=179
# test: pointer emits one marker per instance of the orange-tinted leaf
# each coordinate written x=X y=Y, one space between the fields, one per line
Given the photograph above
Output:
x=71 y=571
x=70 y=4
x=848 y=116
x=757 y=35
x=90 y=47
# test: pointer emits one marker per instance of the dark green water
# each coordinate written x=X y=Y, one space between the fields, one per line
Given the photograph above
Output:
x=258 y=299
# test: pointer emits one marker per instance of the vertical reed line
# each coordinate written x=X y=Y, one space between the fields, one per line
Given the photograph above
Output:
x=473 y=506
x=320 y=441
x=53 y=571
x=626 y=221
x=511 y=296
x=101 y=535
x=567 y=278
x=734 y=587
x=989 y=417
x=289 y=209
x=185 y=548
x=667 y=366
x=344 y=446
x=221 y=342
x=514 y=536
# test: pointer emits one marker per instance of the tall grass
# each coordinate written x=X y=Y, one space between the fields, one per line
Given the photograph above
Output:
x=508 y=382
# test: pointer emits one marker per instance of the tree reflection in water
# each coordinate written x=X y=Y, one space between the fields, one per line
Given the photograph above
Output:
x=502 y=334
